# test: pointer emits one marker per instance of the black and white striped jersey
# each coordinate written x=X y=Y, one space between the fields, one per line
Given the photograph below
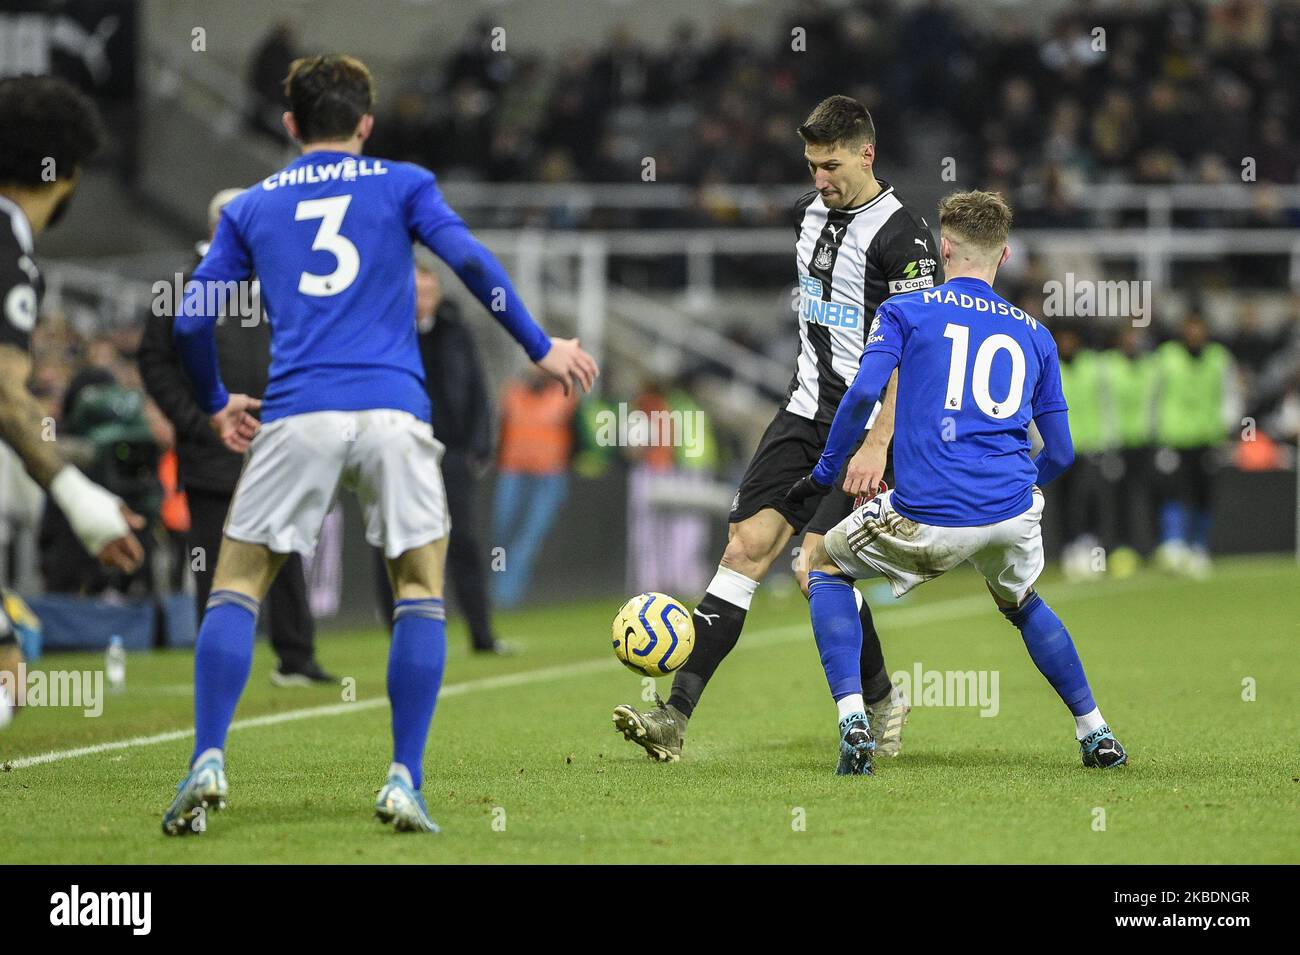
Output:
x=848 y=261
x=20 y=279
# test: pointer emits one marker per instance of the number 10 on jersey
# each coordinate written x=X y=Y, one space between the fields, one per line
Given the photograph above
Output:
x=979 y=383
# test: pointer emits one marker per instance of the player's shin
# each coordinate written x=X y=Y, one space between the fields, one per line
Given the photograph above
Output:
x=223 y=657
x=718 y=618
x=1053 y=652
x=838 y=631
x=875 y=678
x=415 y=663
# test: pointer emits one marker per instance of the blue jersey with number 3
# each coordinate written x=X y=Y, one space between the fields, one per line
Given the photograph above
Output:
x=330 y=237
x=973 y=372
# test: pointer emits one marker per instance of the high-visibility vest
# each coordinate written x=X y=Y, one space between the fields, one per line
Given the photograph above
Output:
x=1081 y=383
x=1129 y=390
x=701 y=452
x=536 y=429
x=175 y=509
x=1190 y=395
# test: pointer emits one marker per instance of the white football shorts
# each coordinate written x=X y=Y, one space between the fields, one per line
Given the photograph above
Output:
x=876 y=541
x=296 y=465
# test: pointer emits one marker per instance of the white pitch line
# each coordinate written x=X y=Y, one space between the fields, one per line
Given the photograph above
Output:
x=951 y=609
x=522 y=678
x=61 y=754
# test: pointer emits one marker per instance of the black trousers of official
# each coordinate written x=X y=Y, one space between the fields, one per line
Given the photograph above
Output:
x=1192 y=479
x=290 y=624
x=1134 y=506
x=1086 y=503
x=466 y=570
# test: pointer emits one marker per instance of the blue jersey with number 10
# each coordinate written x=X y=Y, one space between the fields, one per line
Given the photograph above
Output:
x=973 y=372
x=329 y=237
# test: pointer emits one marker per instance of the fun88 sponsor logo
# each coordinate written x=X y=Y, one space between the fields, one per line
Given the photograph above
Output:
x=813 y=309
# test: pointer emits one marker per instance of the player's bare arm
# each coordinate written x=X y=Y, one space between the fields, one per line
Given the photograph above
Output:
x=22 y=419
x=867 y=467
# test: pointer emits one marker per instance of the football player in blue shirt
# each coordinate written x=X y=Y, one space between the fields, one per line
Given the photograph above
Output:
x=329 y=236
x=973 y=372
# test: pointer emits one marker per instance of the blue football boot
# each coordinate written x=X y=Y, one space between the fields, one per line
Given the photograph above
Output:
x=204 y=789
x=1101 y=750
x=400 y=803
x=856 y=746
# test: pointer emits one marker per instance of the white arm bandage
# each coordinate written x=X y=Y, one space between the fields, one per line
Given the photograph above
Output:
x=94 y=513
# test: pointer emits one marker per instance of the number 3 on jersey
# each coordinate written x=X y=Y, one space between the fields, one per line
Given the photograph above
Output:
x=330 y=211
x=979 y=384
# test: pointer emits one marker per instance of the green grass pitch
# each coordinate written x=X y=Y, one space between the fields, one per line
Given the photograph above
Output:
x=525 y=766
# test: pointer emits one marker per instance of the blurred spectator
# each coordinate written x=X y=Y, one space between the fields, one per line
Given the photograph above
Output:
x=677 y=68
x=620 y=74
x=462 y=421
x=407 y=133
x=1070 y=47
x=1253 y=346
x=1127 y=372
x=1275 y=152
x=462 y=136
x=1283 y=422
x=476 y=63
x=1115 y=132
x=1057 y=210
x=174 y=511
x=929 y=39
x=266 y=73
x=1273 y=392
x=675 y=458
x=1195 y=406
x=532 y=479
x=119 y=452
x=1085 y=502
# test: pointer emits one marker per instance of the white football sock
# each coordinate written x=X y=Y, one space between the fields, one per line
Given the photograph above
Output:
x=1085 y=724
x=735 y=588
x=848 y=705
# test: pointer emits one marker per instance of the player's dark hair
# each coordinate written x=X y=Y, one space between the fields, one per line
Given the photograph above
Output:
x=980 y=218
x=48 y=129
x=328 y=95
x=838 y=120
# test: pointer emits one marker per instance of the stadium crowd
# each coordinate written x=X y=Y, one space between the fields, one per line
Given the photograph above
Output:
x=1167 y=92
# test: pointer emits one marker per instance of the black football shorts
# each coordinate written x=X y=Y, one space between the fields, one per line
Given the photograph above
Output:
x=789 y=450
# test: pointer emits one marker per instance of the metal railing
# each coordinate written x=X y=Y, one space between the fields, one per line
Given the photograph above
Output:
x=1157 y=203
x=567 y=275
x=113 y=299
x=1152 y=252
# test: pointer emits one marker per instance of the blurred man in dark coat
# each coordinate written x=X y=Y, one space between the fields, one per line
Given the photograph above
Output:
x=462 y=421
x=266 y=72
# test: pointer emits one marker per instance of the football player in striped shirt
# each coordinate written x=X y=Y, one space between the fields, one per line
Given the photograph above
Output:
x=973 y=372
x=856 y=244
